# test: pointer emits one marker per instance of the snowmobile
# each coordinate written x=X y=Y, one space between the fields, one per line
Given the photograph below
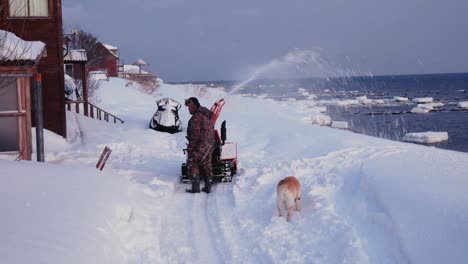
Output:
x=224 y=156
x=166 y=118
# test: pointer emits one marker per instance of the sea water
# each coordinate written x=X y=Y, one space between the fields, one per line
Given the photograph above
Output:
x=388 y=119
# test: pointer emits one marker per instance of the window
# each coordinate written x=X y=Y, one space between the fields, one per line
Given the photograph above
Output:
x=69 y=70
x=9 y=130
x=29 y=8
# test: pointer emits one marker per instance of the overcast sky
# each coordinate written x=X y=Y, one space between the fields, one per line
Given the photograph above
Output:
x=187 y=40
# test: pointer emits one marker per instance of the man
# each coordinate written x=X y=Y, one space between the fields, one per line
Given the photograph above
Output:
x=200 y=135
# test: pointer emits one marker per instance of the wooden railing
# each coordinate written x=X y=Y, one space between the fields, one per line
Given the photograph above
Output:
x=91 y=110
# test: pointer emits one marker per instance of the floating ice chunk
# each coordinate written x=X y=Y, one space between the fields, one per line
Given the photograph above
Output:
x=423 y=100
x=363 y=100
x=420 y=110
x=339 y=124
x=318 y=119
x=378 y=101
x=426 y=137
x=400 y=99
x=431 y=105
x=425 y=108
x=305 y=93
x=463 y=104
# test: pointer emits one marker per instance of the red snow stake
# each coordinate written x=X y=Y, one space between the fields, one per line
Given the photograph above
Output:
x=104 y=156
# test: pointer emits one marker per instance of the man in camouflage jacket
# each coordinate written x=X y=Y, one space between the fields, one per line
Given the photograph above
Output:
x=201 y=138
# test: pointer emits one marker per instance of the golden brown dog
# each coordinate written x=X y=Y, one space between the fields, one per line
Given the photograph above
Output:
x=288 y=194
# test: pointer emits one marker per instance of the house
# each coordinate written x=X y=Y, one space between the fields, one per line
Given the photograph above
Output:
x=75 y=63
x=41 y=20
x=75 y=67
x=135 y=73
x=19 y=61
x=106 y=60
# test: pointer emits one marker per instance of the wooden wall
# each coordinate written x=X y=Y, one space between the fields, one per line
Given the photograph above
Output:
x=49 y=31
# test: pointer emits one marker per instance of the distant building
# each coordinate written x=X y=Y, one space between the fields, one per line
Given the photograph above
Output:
x=75 y=66
x=107 y=59
x=135 y=73
x=75 y=62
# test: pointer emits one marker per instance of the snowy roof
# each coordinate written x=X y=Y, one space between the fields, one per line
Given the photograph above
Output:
x=132 y=69
x=13 y=48
x=76 y=55
x=112 y=49
x=98 y=75
x=140 y=62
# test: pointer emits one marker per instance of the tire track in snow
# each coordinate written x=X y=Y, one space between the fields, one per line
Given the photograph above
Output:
x=227 y=231
x=185 y=233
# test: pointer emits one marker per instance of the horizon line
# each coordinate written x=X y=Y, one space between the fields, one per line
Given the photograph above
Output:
x=334 y=77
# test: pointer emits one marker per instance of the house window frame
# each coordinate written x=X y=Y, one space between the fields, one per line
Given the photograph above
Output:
x=48 y=16
x=69 y=68
x=20 y=113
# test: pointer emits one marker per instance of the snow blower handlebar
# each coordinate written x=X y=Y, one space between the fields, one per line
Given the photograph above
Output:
x=223 y=132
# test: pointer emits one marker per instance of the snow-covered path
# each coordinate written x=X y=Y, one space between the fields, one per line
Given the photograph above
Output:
x=347 y=216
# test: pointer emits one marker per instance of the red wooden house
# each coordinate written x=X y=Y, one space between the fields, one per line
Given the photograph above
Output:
x=18 y=65
x=41 y=20
x=107 y=60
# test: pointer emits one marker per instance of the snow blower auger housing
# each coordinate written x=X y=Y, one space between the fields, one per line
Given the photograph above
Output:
x=224 y=157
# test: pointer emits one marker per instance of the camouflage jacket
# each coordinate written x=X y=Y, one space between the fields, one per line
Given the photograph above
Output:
x=200 y=132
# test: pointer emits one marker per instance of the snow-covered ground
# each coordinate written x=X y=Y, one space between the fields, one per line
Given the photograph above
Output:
x=365 y=199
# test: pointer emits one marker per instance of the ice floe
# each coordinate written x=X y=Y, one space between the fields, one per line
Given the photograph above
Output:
x=426 y=137
x=423 y=100
x=318 y=119
x=420 y=110
x=426 y=108
x=339 y=124
x=463 y=104
x=400 y=99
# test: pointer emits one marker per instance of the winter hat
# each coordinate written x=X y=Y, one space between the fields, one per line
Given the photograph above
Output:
x=192 y=100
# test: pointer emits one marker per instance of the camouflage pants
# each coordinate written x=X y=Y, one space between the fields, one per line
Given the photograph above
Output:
x=199 y=163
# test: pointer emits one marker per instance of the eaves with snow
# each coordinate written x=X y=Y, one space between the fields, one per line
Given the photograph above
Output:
x=13 y=48
x=112 y=49
x=76 y=55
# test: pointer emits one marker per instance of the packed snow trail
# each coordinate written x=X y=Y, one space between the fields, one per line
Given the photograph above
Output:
x=343 y=218
x=237 y=222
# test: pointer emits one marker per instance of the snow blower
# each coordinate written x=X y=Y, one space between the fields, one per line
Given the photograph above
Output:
x=224 y=156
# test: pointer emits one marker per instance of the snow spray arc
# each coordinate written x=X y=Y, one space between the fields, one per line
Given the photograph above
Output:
x=295 y=64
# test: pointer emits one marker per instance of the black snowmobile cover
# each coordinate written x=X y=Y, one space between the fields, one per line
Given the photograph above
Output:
x=166 y=118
